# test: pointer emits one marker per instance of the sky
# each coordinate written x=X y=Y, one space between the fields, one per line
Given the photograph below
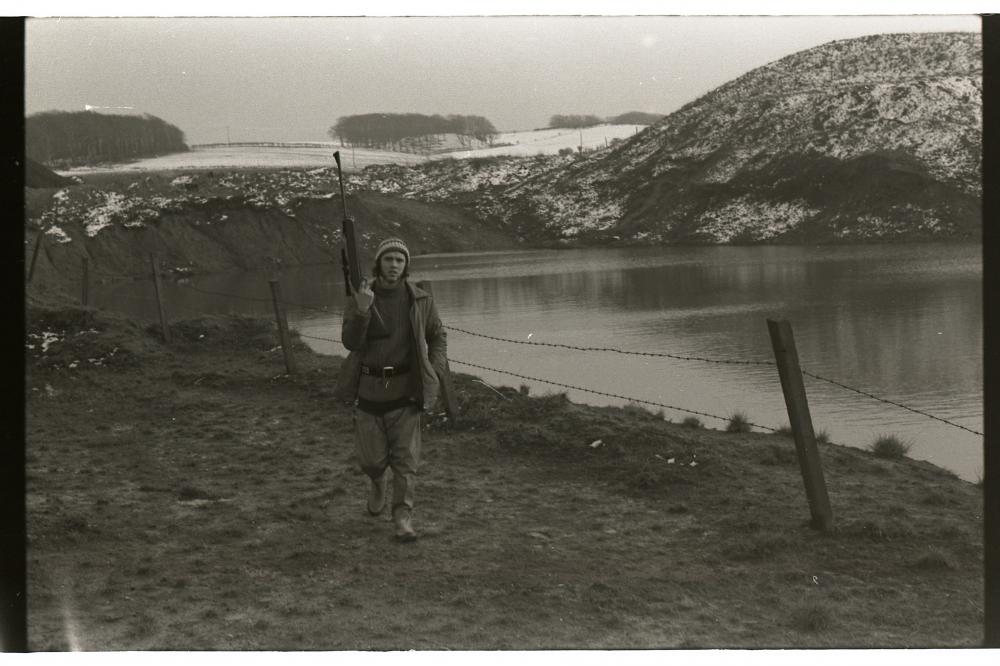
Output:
x=289 y=79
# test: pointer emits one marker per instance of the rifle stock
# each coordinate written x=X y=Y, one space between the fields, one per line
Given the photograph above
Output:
x=351 y=252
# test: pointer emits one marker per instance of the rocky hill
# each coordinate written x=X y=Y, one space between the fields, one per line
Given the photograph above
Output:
x=870 y=138
x=40 y=176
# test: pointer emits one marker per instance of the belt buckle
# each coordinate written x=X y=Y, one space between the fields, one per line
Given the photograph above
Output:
x=387 y=369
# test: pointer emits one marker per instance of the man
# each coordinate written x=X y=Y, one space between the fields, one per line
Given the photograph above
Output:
x=397 y=348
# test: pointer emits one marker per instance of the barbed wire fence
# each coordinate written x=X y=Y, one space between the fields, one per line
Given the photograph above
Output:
x=711 y=360
x=181 y=282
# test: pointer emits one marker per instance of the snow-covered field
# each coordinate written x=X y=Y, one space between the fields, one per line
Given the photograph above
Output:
x=551 y=141
x=248 y=157
x=537 y=142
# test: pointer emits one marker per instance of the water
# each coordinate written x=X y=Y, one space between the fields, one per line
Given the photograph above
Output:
x=902 y=322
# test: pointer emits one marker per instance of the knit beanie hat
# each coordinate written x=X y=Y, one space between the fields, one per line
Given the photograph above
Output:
x=394 y=245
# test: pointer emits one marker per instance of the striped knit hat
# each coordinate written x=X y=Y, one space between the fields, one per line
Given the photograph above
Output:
x=392 y=244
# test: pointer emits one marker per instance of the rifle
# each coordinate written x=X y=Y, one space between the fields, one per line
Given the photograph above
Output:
x=349 y=255
x=345 y=265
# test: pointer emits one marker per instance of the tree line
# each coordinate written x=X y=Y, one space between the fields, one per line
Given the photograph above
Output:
x=74 y=138
x=409 y=131
x=580 y=121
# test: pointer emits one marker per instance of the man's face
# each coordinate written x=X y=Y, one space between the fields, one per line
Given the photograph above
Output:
x=391 y=266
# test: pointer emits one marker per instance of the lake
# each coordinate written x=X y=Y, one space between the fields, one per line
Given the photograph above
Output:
x=901 y=322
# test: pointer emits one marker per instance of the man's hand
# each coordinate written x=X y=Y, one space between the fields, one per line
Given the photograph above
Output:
x=363 y=297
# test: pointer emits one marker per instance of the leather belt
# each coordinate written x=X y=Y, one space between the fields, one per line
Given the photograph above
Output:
x=384 y=372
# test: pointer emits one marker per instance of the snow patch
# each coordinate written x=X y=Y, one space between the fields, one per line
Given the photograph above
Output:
x=58 y=234
x=752 y=219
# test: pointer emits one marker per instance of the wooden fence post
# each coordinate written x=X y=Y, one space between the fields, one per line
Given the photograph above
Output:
x=159 y=298
x=447 y=390
x=792 y=386
x=85 y=282
x=34 y=256
x=279 y=314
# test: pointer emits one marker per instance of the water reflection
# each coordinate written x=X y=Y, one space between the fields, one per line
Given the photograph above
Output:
x=903 y=322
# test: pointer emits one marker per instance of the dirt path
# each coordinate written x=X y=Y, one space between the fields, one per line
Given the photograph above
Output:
x=198 y=498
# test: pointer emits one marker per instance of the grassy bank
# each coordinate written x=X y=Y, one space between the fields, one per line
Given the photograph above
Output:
x=216 y=221
x=196 y=497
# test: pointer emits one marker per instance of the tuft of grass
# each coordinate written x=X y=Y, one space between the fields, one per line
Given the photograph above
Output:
x=640 y=411
x=879 y=469
x=889 y=447
x=877 y=530
x=895 y=510
x=935 y=498
x=538 y=438
x=779 y=454
x=756 y=548
x=934 y=560
x=738 y=422
x=187 y=492
x=142 y=625
x=647 y=479
x=953 y=533
x=478 y=413
x=811 y=617
x=544 y=406
x=692 y=422
x=822 y=437
x=75 y=523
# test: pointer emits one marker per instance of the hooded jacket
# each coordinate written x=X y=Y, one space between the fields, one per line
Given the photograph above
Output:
x=429 y=343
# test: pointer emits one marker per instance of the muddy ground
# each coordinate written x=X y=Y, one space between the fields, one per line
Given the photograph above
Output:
x=194 y=496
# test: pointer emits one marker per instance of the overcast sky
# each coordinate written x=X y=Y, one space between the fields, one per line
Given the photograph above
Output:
x=290 y=79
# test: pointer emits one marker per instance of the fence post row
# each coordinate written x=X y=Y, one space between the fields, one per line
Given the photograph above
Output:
x=159 y=297
x=447 y=390
x=787 y=359
x=279 y=314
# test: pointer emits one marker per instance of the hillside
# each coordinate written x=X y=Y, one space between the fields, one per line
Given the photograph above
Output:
x=217 y=221
x=40 y=176
x=871 y=138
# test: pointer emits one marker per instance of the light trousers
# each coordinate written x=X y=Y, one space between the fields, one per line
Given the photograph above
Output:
x=390 y=440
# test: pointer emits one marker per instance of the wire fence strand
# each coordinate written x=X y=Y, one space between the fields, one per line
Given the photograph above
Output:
x=575 y=388
x=602 y=393
x=219 y=293
x=327 y=310
x=890 y=402
x=313 y=337
x=256 y=299
x=607 y=349
x=707 y=360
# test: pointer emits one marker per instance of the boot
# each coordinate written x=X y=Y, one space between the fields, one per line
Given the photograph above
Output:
x=402 y=516
x=376 y=496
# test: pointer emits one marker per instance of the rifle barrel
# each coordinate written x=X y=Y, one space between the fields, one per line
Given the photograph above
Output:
x=340 y=179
